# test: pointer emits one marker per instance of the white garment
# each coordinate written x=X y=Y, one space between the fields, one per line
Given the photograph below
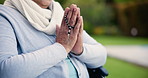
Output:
x=42 y=19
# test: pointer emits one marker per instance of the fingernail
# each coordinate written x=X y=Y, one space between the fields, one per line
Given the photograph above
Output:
x=66 y=8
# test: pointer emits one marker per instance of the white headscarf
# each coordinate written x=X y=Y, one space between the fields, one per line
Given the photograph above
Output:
x=42 y=19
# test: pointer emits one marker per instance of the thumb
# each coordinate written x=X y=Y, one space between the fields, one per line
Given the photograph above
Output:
x=57 y=29
x=81 y=29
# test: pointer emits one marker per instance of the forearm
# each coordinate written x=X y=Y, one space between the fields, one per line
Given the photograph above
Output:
x=32 y=64
x=93 y=55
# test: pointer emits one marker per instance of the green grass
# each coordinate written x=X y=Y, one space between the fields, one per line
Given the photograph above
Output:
x=118 y=68
x=121 y=69
x=120 y=40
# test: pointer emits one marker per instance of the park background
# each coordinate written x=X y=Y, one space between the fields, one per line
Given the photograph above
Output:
x=116 y=23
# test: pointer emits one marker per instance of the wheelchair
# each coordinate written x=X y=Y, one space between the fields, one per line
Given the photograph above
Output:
x=99 y=72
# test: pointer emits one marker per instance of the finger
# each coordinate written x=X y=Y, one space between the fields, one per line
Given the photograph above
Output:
x=74 y=16
x=57 y=29
x=70 y=11
x=66 y=10
x=63 y=24
x=76 y=29
x=65 y=18
x=65 y=15
x=81 y=28
x=78 y=11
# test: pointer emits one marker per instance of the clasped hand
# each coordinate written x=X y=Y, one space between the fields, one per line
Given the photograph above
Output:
x=71 y=38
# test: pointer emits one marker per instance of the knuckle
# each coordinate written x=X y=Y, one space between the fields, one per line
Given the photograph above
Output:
x=72 y=22
x=72 y=37
x=79 y=21
x=68 y=18
x=75 y=13
x=77 y=27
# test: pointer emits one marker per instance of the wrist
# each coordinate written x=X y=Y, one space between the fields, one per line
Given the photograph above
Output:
x=77 y=52
x=66 y=48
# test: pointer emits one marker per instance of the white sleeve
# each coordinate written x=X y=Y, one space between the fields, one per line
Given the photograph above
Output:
x=94 y=54
x=29 y=65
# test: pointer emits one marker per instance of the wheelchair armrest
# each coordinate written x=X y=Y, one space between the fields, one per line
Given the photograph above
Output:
x=99 y=72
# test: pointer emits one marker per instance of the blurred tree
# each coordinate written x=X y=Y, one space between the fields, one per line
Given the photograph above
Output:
x=2 y=1
x=132 y=17
x=62 y=2
x=94 y=12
